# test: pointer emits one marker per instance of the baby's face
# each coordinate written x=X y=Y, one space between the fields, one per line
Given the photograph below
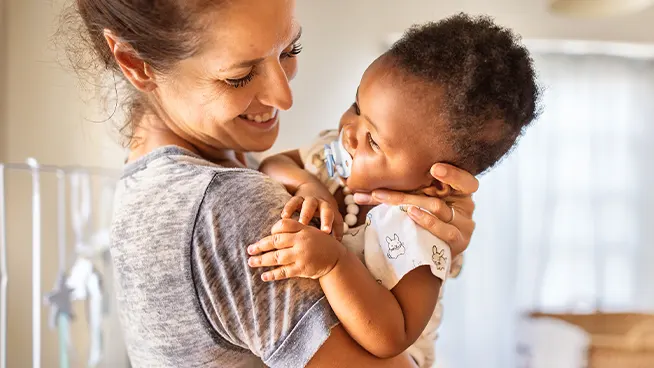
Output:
x=393 y=138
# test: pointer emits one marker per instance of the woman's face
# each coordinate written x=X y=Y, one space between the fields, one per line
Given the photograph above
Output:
x=228 y=96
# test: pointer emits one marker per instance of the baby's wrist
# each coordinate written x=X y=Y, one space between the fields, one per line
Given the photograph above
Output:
x=341 y=255
x=309 y=180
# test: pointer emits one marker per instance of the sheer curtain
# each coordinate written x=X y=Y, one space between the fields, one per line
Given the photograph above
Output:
x=566 y=223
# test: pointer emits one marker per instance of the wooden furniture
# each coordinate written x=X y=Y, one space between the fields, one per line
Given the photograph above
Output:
x=617 y=340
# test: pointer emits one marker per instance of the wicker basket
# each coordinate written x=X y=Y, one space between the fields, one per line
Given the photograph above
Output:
x=617 y=340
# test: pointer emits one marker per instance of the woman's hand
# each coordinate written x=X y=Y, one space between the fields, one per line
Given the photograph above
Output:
x=452 y=215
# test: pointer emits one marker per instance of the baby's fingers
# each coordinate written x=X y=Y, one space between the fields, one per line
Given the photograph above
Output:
x=309 y=208
x=271 y=242
x=326 y=217
x=280 y=273
x=292 y=206
x=280 y=257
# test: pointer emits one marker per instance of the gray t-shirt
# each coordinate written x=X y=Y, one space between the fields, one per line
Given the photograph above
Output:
x=187 y=297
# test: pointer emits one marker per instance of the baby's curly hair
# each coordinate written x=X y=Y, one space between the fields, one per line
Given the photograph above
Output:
x=488 y=83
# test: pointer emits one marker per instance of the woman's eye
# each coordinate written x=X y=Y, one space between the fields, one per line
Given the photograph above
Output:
x=372 y=142
x=295 y=50
x=355 y=106
x=240 y=82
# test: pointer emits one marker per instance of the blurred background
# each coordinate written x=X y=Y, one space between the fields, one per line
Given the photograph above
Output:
x=565 y=225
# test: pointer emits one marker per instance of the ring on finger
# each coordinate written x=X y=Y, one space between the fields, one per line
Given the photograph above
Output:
x=453 y=213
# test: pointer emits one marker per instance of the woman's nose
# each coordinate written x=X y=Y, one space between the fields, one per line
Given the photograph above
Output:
x=276 y=89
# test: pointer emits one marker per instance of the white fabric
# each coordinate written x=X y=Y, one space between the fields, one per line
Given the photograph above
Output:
x=549 y=342
x=395 y=245
x=390 y=244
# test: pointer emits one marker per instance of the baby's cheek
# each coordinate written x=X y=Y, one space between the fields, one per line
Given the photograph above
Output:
x=406 y=179
x=362 y=177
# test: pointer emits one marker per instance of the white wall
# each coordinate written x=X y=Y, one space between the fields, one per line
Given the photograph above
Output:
x=341 y=38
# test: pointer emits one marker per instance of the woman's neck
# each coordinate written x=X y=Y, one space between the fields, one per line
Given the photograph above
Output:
x=151 y=134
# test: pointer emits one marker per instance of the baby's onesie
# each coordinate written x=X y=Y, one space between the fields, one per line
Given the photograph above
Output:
x=390 y=244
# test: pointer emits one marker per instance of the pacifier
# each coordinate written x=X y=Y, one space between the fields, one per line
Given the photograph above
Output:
x=338 y=159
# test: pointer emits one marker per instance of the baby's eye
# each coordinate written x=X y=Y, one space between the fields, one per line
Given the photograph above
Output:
x=372 y=142
x=355 y=106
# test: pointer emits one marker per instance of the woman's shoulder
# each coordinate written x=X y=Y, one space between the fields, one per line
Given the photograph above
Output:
x=243 y=193
x=179 y=181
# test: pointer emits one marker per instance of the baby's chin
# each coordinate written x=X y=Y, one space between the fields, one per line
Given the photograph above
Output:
x=356 y=187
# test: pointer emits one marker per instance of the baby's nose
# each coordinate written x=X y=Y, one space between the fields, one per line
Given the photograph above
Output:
x=350 y=140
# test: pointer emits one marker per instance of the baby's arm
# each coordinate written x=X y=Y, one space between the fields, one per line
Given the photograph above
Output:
x=383 y=322
x=287 y=169
x=311 y=196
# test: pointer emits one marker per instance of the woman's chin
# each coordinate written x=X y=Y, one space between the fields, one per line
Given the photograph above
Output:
x=258 y=140
x=260 y=143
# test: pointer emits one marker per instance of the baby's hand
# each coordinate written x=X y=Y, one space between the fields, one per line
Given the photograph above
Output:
x=314 y=200
x=296 y=250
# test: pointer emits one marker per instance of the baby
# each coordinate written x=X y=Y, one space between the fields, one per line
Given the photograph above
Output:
x=458 y=91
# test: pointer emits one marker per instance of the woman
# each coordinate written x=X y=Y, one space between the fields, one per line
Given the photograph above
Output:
x=209 y=78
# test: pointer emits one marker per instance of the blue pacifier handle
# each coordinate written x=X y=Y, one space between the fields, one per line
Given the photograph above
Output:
x=329 y=161
x=337 y=159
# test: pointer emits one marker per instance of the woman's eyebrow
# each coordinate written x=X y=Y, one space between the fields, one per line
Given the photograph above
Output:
x=249 y=63
x=243 y=64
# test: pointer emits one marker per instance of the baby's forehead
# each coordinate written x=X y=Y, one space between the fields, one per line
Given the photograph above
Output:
x=409 y=113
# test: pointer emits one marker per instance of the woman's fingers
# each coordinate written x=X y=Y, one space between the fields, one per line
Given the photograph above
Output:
x=364 y=199
x=455 y=234
x=460 y=180
x=436 y=206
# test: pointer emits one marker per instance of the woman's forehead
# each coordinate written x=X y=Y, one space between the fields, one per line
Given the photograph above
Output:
x=246 y=30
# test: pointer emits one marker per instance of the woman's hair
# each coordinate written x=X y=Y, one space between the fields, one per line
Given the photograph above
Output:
x=160 y=32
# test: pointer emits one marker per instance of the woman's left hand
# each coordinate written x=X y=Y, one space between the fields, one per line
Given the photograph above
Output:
x=452 y=215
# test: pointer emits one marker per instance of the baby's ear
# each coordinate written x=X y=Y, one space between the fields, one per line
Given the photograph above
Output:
x=437 y=189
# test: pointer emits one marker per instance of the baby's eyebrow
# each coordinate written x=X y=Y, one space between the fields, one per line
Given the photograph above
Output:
x=356 y=99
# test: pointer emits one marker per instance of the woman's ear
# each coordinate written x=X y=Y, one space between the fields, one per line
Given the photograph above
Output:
x=137 y=72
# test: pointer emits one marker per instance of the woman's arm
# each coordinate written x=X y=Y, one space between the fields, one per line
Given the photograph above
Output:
x=340 y=350
x=239 y=304
x=383 y=322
